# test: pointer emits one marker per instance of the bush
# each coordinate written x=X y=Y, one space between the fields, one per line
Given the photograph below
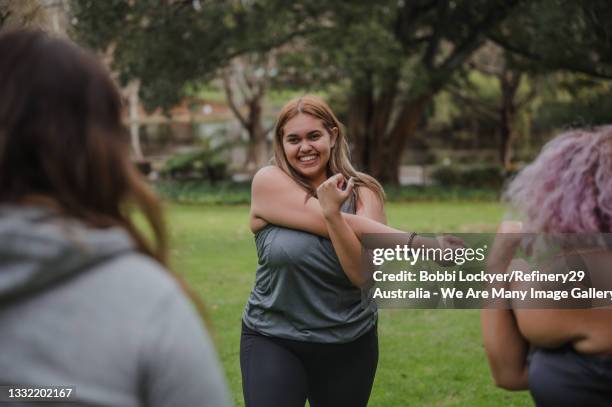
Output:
x=233 y=193
x=469 y=176
x=439 y=193
x=202 y=163
x=202 y=192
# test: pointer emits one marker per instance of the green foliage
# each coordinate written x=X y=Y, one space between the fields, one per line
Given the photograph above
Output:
x=571 y=35
x=573 y=101
x=475 y=176
x=379 y=59
x=164 y=44
x=439 y=193
x=169 y=45
x=205 y=162
x=232 y=193
x=556 y=115
x=202 y=192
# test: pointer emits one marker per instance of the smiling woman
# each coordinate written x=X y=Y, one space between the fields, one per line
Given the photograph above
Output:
x=306 y=332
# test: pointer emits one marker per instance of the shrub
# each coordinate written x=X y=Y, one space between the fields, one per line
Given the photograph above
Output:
x=469 y=176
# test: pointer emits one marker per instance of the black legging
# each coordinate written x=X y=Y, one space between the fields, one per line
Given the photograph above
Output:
x=565 y=378
x=284 y=373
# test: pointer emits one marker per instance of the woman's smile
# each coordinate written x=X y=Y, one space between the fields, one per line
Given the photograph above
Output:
x=309 y=160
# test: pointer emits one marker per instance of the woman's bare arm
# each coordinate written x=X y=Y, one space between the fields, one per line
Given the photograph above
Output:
x=505 y=347
x=277 y=199
x=346 y=244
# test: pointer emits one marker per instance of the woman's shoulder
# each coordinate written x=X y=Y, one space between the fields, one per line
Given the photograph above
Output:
x=269 y=179
x=270 y=174
x=370 y=204
x=134 y=274
x=368 y=194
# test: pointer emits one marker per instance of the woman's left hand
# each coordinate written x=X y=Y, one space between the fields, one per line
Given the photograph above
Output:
x=449 y=242
x=331 y=194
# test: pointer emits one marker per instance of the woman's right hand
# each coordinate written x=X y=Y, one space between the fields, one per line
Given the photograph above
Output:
x=331 y=194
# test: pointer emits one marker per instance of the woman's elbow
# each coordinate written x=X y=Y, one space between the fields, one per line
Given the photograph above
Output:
x=510 y=380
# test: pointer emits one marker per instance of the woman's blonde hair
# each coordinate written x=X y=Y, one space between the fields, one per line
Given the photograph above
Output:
x=339 y=159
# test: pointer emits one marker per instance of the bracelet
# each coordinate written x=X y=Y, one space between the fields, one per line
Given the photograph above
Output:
x=410 y=239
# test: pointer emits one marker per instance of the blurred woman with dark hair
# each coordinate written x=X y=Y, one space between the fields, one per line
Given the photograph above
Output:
x=566 y=191
x=86 y=299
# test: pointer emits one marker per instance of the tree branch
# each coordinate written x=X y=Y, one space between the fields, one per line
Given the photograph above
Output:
x=229 y=93
x=486 y=108
x=476 y=36
x=539 y=58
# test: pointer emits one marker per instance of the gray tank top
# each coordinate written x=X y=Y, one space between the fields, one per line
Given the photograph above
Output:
x=301 y=291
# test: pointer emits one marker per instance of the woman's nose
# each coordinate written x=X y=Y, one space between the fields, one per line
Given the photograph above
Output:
x=305 y=146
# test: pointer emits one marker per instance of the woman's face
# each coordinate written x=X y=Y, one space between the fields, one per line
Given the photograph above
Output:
x=308 y=145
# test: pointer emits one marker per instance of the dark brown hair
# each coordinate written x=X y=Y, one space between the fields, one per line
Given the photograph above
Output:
x=61 y=137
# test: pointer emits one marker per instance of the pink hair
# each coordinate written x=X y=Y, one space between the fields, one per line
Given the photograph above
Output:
x=568 y=188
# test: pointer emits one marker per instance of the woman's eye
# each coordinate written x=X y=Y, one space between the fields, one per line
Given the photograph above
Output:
x=315 y=136
x=292 y=141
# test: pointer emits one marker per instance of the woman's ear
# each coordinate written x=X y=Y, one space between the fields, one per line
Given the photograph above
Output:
x=334 y=136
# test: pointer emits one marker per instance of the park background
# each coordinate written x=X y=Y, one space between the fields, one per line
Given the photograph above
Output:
x=443 y=101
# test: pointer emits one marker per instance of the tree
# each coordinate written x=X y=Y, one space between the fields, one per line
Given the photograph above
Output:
x=160 y=47
x=560 y=35
x=245 y=81
x=151 y=48
x=395 y=56
x=390 y=56
x=168 y=44
x=505 y=104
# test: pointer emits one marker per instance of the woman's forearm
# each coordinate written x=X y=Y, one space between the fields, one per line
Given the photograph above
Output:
x=505 y=347
x=388 y=236
x=347 y=247
x=362 y=225
x=277 y=199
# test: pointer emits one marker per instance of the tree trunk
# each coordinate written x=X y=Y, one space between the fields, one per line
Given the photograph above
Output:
x=507 y=135
x=509 y=83
x=359 y=117
x=377 y=133
x=386 y=155
x=131 y=91
x=257 y=149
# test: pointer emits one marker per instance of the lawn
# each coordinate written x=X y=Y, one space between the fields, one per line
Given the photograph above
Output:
x=427 y=357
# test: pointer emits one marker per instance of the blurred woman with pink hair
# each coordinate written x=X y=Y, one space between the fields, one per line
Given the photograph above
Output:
x=567 y=190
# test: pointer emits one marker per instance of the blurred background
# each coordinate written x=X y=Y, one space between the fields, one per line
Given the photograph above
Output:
x=437 y=94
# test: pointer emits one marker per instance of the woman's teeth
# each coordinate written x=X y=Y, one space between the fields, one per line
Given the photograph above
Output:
x=308 y=158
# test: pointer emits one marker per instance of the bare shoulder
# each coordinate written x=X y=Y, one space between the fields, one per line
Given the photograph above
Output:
x=368 y=198
x=272 y=180
x=270 y=173
x=370 y=205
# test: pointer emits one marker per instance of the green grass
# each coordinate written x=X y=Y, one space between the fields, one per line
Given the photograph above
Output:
x=427 y=357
